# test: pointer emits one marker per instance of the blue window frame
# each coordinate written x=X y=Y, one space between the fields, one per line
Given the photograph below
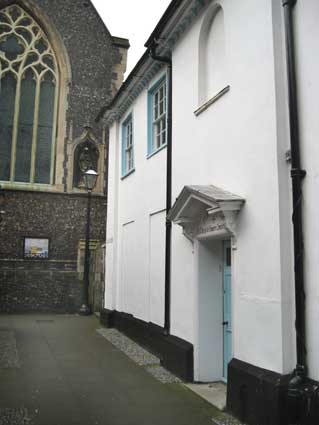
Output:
x=157 y=117
x=127 y=146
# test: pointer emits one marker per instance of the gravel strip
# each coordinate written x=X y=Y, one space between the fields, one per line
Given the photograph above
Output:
x=14 y=417
x=163 y=375
x=139 y=355
x=9 y=357
x=226 y=420
x=129 y=347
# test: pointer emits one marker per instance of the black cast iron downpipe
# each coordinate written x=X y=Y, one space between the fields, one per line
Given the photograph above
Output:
x=168 y=237
x=297 y=175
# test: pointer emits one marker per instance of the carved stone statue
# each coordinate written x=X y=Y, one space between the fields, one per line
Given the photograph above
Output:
x=86 y=157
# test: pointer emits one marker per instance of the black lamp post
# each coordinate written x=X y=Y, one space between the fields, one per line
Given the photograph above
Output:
x=90 y=177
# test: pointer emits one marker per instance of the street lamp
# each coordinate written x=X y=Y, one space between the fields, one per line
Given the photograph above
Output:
x=90 y=177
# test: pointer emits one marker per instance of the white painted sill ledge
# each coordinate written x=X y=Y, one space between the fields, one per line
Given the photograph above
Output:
x=209 y=102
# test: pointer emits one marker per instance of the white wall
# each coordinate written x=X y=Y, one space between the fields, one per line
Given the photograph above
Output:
x=238 y=144
x=157 y=267
x=285 y=193
x=139 y=256
x=233 y=145
x=306 y=16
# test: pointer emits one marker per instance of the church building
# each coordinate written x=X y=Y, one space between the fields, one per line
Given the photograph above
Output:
x=58 y=65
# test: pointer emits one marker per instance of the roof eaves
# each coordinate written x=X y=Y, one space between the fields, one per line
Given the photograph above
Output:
x=167 y=25
x=169 y=12
x=124 y=86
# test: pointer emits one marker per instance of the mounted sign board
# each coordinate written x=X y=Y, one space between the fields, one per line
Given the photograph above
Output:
x=36 y=248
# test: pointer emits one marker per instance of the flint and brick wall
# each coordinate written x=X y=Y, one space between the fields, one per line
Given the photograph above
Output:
x=96 y=65
x=52 y=285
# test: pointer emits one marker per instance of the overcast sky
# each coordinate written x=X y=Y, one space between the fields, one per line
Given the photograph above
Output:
x=130 y=19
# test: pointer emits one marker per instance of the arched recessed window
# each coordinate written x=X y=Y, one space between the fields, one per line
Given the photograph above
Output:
x=212 y=54
x=29 y=83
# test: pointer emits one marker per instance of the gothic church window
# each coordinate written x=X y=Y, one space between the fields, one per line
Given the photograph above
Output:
x=29 y=83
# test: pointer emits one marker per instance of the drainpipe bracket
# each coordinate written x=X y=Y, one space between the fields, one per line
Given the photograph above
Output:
x=296 y=392
x=297 y=172
x=297 y=379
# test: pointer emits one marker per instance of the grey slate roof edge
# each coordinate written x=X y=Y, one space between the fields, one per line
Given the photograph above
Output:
x=201 y=191
x=214 y=193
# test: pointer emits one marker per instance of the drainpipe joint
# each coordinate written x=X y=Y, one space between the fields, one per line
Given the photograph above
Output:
x=290 y=3
x=298 y=173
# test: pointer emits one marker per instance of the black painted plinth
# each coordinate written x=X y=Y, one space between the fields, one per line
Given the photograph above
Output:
x=256 y=396
x=175 y=353
x=107 y=318
x=260 y=397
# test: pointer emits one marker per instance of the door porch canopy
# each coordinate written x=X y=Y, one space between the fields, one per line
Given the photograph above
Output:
x=206 y=210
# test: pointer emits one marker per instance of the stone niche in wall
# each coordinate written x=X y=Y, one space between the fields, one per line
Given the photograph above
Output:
x=85 y=153
x=86 y=157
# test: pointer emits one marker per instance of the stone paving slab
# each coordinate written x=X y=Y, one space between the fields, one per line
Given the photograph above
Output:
x=163 y=375
x=9 y=357
x=214 y=393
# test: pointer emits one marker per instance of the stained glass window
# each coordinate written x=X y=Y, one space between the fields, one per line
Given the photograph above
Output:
x=28 y=99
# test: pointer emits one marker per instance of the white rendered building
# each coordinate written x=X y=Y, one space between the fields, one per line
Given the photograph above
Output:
x=200 y=242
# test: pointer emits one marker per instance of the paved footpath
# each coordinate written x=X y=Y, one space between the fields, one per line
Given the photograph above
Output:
x=57 y=370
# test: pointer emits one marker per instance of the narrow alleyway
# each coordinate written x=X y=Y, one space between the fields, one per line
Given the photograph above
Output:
x=57 y=370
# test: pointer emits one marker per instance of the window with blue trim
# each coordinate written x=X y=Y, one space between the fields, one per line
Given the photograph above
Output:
x=127 y=146
x=157 y=116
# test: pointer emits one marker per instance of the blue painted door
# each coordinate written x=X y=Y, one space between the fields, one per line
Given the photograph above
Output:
x=227 y=319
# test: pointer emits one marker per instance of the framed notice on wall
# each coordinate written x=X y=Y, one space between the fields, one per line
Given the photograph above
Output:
x=36 y=248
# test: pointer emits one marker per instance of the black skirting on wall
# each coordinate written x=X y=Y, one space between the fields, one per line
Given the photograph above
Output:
x=260 y=397
x=175 y=353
